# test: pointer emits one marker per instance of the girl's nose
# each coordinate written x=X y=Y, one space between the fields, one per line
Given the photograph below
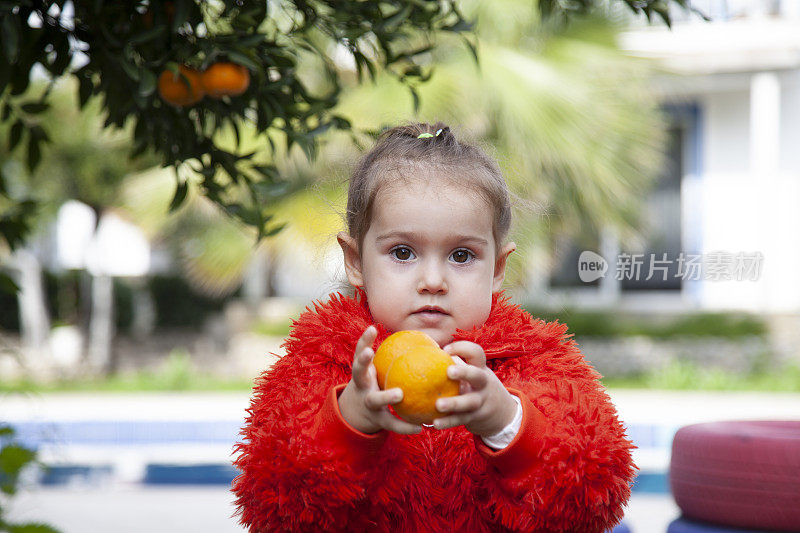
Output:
x=432 y=279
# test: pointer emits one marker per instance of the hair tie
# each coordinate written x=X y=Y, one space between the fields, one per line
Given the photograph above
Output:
x=427 y=135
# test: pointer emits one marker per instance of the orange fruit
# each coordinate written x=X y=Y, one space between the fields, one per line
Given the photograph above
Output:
x=422 y=375
x=396 y=344
x=176 y=90
x=221 y=79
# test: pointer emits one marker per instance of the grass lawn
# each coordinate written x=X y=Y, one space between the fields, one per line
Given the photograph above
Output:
x=176 y=377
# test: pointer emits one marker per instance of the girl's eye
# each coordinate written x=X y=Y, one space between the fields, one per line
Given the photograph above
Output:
x=462 y=256
x=402 y=253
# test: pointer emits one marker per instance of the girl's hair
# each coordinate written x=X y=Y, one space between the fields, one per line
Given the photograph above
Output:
x=400 y=153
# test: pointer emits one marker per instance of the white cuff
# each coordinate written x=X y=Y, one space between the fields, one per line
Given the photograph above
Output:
x=500 y=440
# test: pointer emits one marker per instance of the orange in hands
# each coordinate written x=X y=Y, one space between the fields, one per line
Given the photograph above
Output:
x=413 y=361
x=395 y=345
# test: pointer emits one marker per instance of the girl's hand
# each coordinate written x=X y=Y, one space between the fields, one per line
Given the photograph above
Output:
x=484 y=406
x=362 y=404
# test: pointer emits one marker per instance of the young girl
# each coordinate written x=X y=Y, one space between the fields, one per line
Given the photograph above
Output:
x=532 y=443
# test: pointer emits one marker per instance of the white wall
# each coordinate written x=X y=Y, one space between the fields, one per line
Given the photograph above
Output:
x=750 y=196
x=725 y=134
x=741 y=215
x=789 y=161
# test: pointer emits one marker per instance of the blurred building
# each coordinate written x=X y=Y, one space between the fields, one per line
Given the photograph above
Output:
x=723 y=217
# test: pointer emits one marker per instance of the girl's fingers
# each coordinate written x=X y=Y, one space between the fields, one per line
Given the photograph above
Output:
x=457 y=360
x=361 y=368
x=452 y=421
x=367 y=338
x=377 y=400
x=465 y=403
x=470 y=352
x=463 y=386
x=474 y=376
x=392 y=423
x=363 y=358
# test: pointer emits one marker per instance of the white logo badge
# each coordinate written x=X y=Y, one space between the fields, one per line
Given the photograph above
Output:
x=591 y=266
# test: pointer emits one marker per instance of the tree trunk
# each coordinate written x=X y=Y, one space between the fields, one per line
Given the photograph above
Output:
x=144 y=310
x=33 y=317
x=255 y=286
x=101 y=325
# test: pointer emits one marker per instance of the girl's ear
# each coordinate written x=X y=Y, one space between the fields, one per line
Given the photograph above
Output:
x=500 y=266
x=352 y=259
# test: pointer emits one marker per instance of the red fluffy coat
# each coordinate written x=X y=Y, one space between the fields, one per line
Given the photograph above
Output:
x=304 y=469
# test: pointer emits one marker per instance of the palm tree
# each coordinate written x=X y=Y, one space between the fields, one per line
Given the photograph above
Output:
x=564 y=111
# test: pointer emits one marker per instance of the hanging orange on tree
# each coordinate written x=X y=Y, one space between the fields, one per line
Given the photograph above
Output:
x=181 y=89
x=225 y=79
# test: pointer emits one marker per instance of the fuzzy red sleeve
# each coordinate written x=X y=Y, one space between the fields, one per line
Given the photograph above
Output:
x=302 y=466
x=569 y=468
x=524 y=450
x=352 y=445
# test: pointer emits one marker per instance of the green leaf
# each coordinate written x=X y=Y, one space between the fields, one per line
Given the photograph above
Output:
x=139 y=148
x=147 y=35
x=251 y=40
x=85 y=89
x=20 y=80
x=415 y=98
x=14 y=457
x=179 y=197
x=10 y=37
x=16 y=135
x=6 y=431
x=208 y=172
x=268 y=171
x=266 y=191
x=363 y=61
x=35 y=107
x=8 y=286
x=147 y=85
x=472 y=48
x=275 y=230
x=131 y=70
x=236 y=133
x=34 y=154
x=37 y=132
x=243 y=60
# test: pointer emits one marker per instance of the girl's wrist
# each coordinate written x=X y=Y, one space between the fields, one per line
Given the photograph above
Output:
x=348 y=408
x=508 y=412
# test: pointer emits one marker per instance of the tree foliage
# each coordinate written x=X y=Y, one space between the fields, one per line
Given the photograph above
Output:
x=561 y=11
x=14 y=458
x=118 y=50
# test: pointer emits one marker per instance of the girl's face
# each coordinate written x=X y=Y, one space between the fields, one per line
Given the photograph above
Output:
x=428 y=260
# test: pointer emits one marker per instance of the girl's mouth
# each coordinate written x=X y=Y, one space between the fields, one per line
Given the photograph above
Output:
x=430 y=309
x=430 y=314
